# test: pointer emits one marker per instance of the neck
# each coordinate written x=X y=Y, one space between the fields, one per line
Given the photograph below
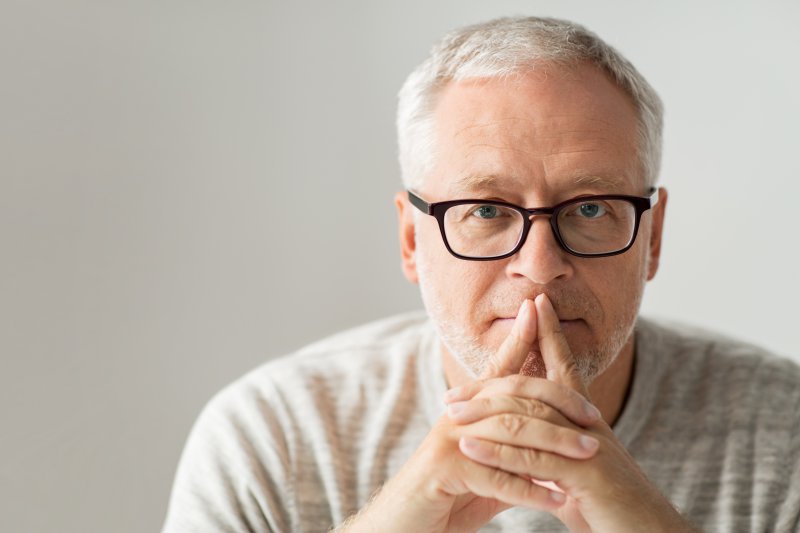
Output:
x=608 y=391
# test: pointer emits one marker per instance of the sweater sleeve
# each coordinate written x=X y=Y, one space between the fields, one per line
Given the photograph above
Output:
x=233 y=475
x=788 y=518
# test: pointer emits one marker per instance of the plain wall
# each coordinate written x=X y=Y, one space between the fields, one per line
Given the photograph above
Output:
x=190 y=188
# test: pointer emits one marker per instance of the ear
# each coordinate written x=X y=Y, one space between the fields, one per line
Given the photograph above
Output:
x=656 y=232
x=408 y=243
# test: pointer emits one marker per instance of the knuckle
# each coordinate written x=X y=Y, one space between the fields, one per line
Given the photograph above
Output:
x=502 y=480
x=530 y=459
x=536 y=409
x=515 y=404
x=517 y=383
x=542 y=411
x=496 y=478
x=513 y=424
x=479 y=407
x=485 y=404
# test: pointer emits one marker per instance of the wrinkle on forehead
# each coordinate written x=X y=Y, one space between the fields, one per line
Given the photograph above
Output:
x=493 y=123
x=502 y=147
x=538 y=139
x=537 y=134
x=554 y=118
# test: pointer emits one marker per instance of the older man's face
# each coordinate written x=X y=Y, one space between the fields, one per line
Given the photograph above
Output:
x=536 y=141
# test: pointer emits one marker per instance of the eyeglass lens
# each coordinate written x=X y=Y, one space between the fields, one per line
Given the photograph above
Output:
x=586 y=227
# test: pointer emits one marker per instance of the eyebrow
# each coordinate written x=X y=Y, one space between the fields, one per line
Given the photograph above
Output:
x=606 y=183
x=473 y=182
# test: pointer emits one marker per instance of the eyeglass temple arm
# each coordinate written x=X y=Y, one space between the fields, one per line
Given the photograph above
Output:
x=419 y=203
x=653 y=196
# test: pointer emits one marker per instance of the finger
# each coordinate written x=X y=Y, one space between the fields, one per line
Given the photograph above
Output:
x=516 y=347
x=509 y=488
x=472 y=411
x=520 y=394
x=536 y=464
x=556 y=353
x=533 y=433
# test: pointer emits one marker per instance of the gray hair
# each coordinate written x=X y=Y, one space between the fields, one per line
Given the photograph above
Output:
x=502 y=48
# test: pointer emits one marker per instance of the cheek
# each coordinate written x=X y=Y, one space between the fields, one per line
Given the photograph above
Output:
x=620 y=285
x=455 y=280
x=460 y=287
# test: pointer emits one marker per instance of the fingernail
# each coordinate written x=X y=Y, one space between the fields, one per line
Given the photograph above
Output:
x=557 y=497
x=591 y=411
x=452 y=394
x=470 y=444
x=589 y=444
x=454 y=409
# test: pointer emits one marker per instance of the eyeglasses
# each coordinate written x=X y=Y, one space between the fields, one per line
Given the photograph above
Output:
x=586 y=226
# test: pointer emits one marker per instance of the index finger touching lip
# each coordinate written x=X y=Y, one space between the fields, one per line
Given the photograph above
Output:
x=515 y=349
x=556 y=353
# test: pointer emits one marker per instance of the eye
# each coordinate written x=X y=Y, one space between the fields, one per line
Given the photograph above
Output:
x=486 y=211
x=591 y=210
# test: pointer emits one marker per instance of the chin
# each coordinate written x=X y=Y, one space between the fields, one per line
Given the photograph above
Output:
x=594 y=358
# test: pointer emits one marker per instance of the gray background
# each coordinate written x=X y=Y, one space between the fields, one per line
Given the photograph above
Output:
x=189 y=188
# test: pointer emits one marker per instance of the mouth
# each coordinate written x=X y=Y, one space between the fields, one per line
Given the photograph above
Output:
x=564 y=323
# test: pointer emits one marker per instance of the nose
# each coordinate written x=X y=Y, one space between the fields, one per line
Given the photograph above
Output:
x=541 y=259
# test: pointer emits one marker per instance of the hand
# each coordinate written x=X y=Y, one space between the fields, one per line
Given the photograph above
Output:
x=441 y=489
x=605 y=491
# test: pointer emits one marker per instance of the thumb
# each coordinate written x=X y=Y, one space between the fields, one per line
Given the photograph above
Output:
x=515 y=348
x=556 y=353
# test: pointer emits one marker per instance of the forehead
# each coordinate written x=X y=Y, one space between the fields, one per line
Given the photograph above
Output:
x=549 y=132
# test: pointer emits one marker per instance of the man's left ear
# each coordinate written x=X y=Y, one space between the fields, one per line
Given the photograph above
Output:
x=656 y=232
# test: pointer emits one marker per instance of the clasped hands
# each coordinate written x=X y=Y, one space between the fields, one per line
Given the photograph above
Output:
x=513 y=440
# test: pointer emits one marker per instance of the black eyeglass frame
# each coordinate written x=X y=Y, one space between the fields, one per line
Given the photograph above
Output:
x=438 y=209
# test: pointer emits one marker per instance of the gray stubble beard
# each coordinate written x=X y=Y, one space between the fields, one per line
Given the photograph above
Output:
x=474 y=357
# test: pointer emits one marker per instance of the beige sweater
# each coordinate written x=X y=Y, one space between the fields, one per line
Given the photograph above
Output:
x=303 y=441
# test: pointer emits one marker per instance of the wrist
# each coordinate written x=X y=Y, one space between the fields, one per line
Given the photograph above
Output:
x=399 y=507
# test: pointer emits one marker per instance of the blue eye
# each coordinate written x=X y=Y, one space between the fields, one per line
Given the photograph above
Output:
x=591 y=210
x=486 y=211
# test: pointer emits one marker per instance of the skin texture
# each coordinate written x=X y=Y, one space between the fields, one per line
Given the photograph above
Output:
x=508 y=438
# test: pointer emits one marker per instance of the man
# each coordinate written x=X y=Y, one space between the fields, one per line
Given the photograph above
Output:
x=530 y=151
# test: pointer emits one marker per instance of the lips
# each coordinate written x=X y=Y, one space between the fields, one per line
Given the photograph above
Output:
x=563 y=322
